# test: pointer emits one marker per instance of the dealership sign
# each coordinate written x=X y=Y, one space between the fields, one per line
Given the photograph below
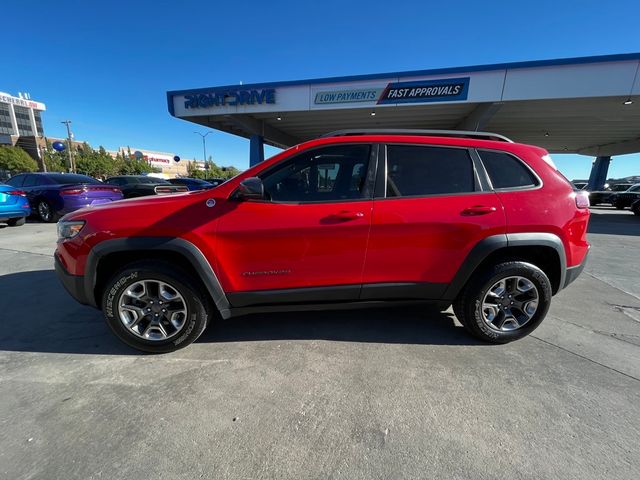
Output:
x=21 y=102
x=347 y=96
x=421 y=91
x=231 y=98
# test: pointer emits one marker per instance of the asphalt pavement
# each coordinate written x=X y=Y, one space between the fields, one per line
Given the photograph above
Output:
x=389 y=394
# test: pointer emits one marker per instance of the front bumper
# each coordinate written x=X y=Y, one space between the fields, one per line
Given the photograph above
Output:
x=74 y=284
x=574 y=272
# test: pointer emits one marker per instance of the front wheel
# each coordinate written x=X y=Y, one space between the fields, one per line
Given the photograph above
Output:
x=154 y=307
x=505 y=302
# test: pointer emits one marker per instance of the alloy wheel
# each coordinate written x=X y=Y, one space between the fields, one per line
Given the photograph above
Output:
x=44 y=210
x=152 y=310
x=510 y=303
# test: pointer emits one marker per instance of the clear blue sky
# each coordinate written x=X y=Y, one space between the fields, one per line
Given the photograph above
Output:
x=107 y=65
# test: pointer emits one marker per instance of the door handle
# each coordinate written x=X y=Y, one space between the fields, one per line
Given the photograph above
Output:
x=478 y=210
x=345 y=215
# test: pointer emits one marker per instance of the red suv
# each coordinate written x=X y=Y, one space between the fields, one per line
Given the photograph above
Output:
x=351 y=219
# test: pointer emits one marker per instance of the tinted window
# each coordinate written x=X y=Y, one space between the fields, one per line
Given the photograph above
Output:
x=324 y=174
x=71 y=178
x=635 y=189
x=33 y=181
x=150 y=180
x=506 y=171
x=115 y=181
x=414 y=170
x=16 y=181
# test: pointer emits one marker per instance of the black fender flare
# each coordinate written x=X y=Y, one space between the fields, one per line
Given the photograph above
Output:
x=488 y=245
x=178 y=245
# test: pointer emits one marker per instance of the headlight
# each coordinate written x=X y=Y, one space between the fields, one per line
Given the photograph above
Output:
x=69 y=229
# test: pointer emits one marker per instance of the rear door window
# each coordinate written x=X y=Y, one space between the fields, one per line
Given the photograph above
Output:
x=31 y=181
x=16 y=181
x=414 y=170
x=506 y=171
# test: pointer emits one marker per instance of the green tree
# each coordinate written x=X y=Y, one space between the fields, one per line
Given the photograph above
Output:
x=16 y=160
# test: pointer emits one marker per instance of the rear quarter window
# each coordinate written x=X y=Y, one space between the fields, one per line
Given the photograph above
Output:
x=506 y=171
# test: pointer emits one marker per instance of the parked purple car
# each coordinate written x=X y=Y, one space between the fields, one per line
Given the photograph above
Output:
x=51 y=195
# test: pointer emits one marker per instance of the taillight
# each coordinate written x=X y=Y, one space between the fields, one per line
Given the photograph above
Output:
x=16 y=192
x=72 y=191
x=582 y=199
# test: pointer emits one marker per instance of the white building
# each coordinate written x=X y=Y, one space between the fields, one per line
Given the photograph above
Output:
x=21 y=122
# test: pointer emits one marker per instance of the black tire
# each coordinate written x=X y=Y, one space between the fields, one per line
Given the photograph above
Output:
x=468 y=305
x=46 y=213
x=618 y=206
x=16 y=222
x=195 y=300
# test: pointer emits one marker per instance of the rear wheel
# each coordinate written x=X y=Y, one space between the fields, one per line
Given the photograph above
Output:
x=505 y=302
x=635 y=208
x=16 y=222
x=46 y=212
x=154 y=307
x=618 y=205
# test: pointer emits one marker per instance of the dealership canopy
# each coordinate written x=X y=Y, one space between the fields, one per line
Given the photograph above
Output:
x=587 y=105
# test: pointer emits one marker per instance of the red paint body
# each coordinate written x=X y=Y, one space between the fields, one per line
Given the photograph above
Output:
x=422 y=239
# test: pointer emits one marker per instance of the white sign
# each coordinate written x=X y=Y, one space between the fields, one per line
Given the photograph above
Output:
x=21 y=102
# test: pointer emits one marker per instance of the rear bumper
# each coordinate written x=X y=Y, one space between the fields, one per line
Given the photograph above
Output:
x=574 y=272
x=17 y=213
x=74 y=284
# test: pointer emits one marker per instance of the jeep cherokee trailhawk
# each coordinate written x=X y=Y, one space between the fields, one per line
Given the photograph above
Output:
x=351 y=219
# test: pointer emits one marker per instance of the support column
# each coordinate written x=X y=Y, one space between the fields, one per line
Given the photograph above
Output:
x=256 y=150
x=599 y=172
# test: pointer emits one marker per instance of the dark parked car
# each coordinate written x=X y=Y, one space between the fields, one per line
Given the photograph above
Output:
x=133 y=186
x=216 y=181
x=192 y=183
x=625 y=199
x=604 y=196
x=52 y=195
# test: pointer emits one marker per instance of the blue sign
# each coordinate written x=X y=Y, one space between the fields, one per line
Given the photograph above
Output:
x=231 y=98
x=58 y=146
x=423 y=91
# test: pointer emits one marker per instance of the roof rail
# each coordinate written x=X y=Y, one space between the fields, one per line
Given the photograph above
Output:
x=435 y=133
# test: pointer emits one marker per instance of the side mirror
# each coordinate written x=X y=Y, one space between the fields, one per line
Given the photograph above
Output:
x=250 y=189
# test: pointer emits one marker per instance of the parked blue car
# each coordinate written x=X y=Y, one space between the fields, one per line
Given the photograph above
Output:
x=14 y=206
x=52 y=195
x=193 y=183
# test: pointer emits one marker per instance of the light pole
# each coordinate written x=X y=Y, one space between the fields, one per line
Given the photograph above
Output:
x=204 y=150
x=71 y=165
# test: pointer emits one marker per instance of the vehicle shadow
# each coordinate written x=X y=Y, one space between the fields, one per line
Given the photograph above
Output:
x=39 y=316
x=610 y=221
